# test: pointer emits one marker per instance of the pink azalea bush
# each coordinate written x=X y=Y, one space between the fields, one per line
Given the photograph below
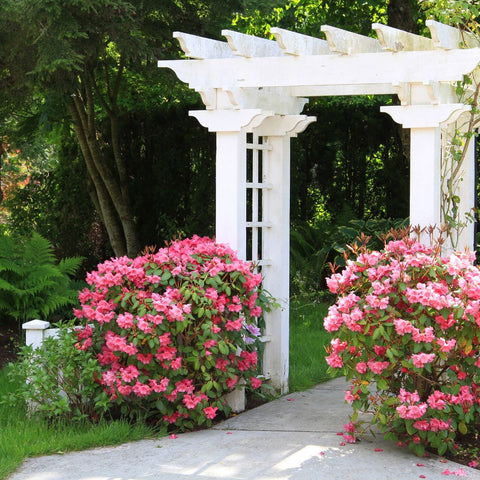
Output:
x=406 y=329
x=173 y=331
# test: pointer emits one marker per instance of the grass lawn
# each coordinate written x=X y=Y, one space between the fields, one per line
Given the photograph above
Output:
x=22 y=437
x=308 y=339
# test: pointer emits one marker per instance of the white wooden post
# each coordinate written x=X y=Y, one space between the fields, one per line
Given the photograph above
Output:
x=424 y=122
x=230 y=202
x=35 y=332
x=276 y=242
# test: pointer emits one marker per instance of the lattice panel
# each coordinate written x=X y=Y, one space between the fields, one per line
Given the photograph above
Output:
x=257 y=188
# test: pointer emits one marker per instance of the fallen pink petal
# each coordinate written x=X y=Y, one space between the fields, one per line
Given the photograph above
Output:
x=422 y=476
x=173 y=436
x=342 y=444
x=446 y=472
x=473 y=464
x=420 y=465
x=229 y=433
x=460 y=472
x=290 y=399
x=340 y=433
x=378 y=450
x=321 y=453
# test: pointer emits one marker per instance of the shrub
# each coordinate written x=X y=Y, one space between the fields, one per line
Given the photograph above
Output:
x=57 y=380
x=406 y=331
x=173 y=331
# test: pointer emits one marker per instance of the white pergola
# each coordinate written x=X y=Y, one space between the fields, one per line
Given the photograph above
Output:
x=254 y=91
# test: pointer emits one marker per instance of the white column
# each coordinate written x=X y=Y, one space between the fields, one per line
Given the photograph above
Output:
x=276 y=243
x=230 y=192
x=276 y=250
x=425 y=176
x=467 y=199
x=425 y=123
x=230 y=186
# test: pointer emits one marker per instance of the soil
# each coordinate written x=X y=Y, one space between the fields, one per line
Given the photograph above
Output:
x=10 y=337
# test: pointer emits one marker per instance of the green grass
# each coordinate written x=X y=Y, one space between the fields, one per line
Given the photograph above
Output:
x=308 y=339
x=22 y=437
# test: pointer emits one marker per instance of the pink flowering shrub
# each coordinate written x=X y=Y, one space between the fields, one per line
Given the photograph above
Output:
x=406 y=329
x=173 y=331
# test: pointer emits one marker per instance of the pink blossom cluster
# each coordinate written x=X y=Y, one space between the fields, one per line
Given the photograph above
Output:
x=408 y=320
x=173 y=330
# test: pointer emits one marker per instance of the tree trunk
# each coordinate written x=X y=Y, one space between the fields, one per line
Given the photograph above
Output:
x=400 y=15
x=101 y=198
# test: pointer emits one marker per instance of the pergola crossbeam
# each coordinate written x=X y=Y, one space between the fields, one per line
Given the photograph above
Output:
x=343 y=41
x=396 y=40
x=200 y=47
x=450 y=38
x=293 y=43
x=250 y=46
x=321 y=70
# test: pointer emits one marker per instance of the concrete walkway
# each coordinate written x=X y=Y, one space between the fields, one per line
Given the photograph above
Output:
x=294 y=437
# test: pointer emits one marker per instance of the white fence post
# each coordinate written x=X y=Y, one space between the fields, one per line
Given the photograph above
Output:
x=35 y=332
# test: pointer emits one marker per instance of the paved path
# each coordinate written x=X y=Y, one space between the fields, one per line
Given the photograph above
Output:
x=294 y=437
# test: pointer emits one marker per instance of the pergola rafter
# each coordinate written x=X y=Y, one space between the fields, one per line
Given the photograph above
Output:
x=255 y=89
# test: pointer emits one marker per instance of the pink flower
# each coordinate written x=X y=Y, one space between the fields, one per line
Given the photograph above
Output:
x=349 y=438
x=334 y=360
x=129 y=373
x=231 y=381
x=421 y=359
x=141 y=390
x=157 y=386
x=412 y=411
x=422 y=425
x=403 y=326
x=233 y=325
x=361 y=367
x=256 y=382
x=377 y=367
x=185 y=385
x=191 y=401
x=210 y=412
x=437 y=400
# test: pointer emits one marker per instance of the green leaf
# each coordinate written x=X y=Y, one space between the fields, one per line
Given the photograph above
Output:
x=462 y=428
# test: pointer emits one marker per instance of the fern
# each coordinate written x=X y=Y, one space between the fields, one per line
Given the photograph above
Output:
x=32 y=284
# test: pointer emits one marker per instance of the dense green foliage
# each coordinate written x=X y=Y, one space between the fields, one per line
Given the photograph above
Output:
x=32 y=283
x=314 y=249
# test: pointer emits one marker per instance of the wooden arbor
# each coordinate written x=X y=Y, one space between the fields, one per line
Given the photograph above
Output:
x=254 y=91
